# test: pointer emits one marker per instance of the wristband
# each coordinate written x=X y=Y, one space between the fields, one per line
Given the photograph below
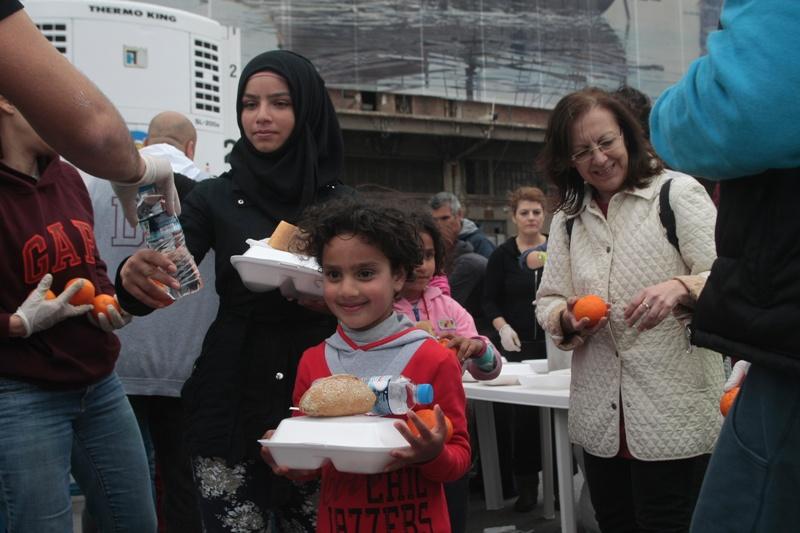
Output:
x=486 y=361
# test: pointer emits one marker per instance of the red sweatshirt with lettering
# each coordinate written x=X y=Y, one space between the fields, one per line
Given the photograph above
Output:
x=412 y=498
x=47 y=225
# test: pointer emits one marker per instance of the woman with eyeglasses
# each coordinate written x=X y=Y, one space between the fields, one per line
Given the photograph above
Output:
x=643 y=405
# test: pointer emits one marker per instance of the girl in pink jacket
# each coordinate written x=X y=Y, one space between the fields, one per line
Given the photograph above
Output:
x=439 y=314
x=444 y=318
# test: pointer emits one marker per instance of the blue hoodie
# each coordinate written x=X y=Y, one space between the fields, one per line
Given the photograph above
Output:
x=735 y=112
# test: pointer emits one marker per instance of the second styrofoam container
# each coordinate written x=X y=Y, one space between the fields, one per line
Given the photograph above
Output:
x=263 y=268
x=551 y=381
x=539 y=366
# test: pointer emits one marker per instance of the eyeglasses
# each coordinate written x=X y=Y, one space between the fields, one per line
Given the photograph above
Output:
x=605 y=145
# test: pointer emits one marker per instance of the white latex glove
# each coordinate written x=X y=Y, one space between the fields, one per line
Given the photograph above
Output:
x=111 y=319
x=509 y=339
x=156 y=170
x=738 y=373
x=38 y=313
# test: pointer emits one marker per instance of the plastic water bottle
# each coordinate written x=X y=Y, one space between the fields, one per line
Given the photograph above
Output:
x=396 y=395
x=163 y=233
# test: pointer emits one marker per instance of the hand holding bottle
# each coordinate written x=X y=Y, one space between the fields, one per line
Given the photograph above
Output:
x=157 y=171
x=144 y=273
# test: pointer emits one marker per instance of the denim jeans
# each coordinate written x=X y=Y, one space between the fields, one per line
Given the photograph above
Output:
x=753 y=480
x=45 y=434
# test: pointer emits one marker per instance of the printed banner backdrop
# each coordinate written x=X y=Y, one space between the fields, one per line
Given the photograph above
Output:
x=520 y=52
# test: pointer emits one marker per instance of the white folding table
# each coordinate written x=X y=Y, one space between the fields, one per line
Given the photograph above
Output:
x=556 y=401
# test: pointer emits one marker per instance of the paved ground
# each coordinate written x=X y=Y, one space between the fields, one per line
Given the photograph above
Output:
x=482 y=521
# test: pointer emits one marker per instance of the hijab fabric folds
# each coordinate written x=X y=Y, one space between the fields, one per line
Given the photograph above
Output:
x=284 y=182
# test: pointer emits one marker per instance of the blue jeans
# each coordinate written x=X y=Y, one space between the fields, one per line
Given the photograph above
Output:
x=92 y=430
x=753 y=479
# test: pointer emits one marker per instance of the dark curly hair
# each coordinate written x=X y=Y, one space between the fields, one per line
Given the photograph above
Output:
x=424 y=223
x=639 y=104
x=554 y=160
x=386 y=228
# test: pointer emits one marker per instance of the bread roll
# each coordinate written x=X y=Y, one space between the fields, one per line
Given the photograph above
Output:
x=283 y=236
x=338 y=395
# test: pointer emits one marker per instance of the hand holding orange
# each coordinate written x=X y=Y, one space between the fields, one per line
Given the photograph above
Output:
x=49 y=295
x=101 y=303
x=84 y=296
x=428 y=416
x=592 y=307
x=726 y=402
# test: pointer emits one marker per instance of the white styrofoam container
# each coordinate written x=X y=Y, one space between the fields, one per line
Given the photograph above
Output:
x=509 y=374
x=551 y=381
x=357 y=444
x=263 y=268
x=539 y=366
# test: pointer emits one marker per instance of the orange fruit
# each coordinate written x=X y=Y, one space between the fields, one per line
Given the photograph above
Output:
x=101 y=303
x=83 y=296
x=49 y=295
x=726 y=402
x=444 y=343
x=592 y=307
x=428 y=416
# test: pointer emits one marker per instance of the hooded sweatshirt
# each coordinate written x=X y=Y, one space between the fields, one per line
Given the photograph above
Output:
x=47 y=226
x=411 y=498
x=471 y=233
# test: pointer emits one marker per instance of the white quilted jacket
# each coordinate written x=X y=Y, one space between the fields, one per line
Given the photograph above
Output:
x=670 y=397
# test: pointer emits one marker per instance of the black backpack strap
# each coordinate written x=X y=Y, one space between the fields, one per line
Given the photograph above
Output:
x=667 y=216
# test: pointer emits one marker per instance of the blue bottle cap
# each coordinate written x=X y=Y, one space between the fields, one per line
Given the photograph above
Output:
x=425 y=393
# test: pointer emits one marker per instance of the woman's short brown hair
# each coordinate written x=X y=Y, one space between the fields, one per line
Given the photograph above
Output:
x=555 y=161
x=523 y=194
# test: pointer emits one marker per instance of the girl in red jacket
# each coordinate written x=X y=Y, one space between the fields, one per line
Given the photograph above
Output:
x=367 y=253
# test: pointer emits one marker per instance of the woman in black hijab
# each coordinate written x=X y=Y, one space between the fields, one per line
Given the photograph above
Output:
x=289 y=156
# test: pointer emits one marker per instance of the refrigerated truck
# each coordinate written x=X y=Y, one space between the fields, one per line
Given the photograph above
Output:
x=148 y=59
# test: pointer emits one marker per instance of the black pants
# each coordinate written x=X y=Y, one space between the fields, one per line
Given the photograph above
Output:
x=162 y=417
x=635 y=496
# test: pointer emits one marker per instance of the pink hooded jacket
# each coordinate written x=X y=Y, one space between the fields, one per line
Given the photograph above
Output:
x=448 y=316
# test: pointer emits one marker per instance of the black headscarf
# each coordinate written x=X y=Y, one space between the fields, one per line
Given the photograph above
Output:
x=284 y=182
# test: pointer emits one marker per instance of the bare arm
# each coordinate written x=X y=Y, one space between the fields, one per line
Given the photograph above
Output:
x=63 y=106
